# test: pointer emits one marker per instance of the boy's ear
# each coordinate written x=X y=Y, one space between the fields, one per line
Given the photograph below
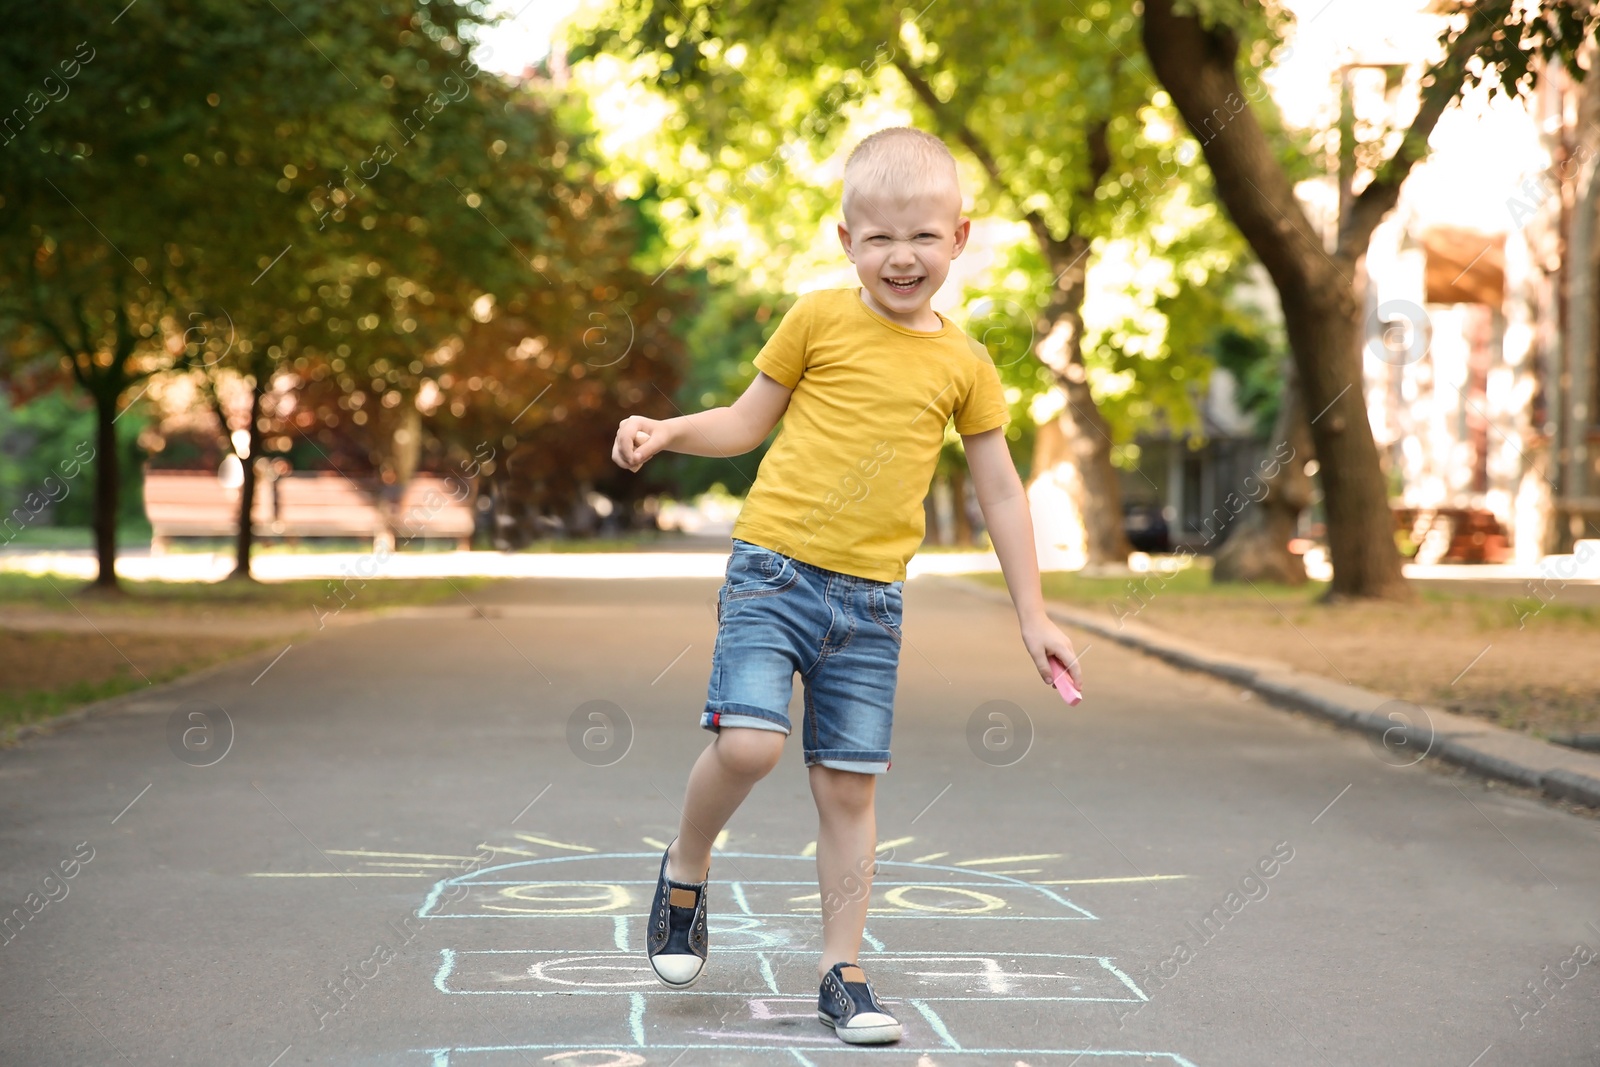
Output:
x=963 y=231
x=844 y=242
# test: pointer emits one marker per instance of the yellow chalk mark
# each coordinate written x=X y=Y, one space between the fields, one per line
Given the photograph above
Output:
x=609 y=897
x=1008 y=859
x=930 y=857
x=809 y=850
x=446 y=866
x=1025 y=870
x=896 y=843
x=653 y=843
x=340 y=874
x=396 y=855
x=722 y=839
x=553 y=844
x=508 y=850
x=982 y=902
x=1105 y=881
x=804 y=897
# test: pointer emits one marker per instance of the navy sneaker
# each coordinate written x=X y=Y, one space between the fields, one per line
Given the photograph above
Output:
x=847 y=1003
x=676 y=942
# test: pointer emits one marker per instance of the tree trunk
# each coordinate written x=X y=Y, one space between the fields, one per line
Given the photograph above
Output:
x=932 y=531
x=1197 y=66
x=1258 y=550
x=958 y=506
x=107 y=489
x=404 y=455
x=244 y=540
x=1088 y=437
x=1355 y=496
x=1096 y=492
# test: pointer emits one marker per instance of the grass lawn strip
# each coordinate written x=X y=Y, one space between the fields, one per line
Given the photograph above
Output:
x=45 y=673
x=1479 y=655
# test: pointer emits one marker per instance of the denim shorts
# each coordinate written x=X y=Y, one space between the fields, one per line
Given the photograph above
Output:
x=777 y=616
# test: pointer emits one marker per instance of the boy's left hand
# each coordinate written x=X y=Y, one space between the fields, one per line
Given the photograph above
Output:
x=1043 y=639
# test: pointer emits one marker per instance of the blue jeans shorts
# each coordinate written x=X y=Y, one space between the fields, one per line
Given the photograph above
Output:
x=777 y=616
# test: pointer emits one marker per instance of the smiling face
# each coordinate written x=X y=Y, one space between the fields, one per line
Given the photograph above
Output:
x=902 y=248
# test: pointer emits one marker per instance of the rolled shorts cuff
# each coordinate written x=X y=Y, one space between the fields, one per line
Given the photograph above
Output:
x=746 y=715
x=857 y=760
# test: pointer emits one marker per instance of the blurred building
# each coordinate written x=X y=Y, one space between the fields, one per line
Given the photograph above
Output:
x=1480 y=286
x=1481 y=290
x=1173 y=496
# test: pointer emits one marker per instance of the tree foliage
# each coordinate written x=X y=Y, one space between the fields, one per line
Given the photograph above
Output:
x=1049 y=105
x=1203 y=50
x=345 y=228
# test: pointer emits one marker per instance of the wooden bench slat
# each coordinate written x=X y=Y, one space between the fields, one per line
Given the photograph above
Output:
x=194 y=503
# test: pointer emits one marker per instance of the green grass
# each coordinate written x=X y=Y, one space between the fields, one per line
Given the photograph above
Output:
x=1489 y=611
x=1074 y=588
x=44 y=538
x=199 y=601
x=37 y=705
x=1497 y=612
x=147 y=598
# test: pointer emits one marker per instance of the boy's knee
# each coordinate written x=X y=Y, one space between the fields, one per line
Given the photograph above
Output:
x=843 y=790
x=749 y=752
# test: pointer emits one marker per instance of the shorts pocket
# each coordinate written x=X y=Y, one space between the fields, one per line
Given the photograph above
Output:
x=887 y=607
x=754 y=571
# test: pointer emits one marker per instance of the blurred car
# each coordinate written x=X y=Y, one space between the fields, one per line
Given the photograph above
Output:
x=1146 y=527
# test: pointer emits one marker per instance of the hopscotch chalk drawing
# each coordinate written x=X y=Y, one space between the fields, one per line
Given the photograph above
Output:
x=576 y=925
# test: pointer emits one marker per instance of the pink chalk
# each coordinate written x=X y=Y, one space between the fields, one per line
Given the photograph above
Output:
x=1063 y=683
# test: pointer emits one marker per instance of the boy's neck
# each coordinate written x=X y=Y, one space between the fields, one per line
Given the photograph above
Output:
x=923 y=319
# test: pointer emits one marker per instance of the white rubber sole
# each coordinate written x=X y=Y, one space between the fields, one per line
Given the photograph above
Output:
x=677 y=985
x=864 y=1035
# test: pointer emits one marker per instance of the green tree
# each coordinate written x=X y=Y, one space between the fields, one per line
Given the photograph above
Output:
x=87 y=282
x=142 y=198
x=483 y=316
x=47 y=456
x=379 y=257
x=1198 y=50
x=1050 y=102
x=335 y=197
x=727 y=328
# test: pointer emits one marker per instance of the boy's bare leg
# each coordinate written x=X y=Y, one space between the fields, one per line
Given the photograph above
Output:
x=846 y=839
x=722 y=777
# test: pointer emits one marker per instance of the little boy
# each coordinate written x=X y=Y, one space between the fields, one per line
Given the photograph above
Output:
x=865 y=380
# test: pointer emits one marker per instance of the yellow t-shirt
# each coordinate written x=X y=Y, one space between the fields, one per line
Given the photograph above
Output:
x=842 y=486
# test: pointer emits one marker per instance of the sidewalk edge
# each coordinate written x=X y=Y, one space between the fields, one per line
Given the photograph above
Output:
x=110 y=705
x=1558 y=772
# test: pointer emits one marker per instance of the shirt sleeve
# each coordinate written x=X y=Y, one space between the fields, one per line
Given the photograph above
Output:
x=783 y=357
x=984 y=407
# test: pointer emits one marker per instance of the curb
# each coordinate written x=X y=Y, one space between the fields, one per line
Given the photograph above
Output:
x=117 y=703
x=111 y=705
x=134 y=696
x=1559 y=773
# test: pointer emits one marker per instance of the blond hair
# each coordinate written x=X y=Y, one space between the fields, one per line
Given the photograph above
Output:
x=901 y=163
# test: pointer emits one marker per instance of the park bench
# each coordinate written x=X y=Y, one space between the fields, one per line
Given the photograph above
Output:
x=302 y=504
x=1463 y=535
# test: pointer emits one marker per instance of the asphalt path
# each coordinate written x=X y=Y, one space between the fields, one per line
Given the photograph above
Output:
x=429 y=839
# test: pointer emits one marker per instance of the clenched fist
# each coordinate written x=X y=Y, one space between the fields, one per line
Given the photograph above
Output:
x=638 y=439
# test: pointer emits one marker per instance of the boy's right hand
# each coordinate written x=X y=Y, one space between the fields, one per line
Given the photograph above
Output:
x=638 y=439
